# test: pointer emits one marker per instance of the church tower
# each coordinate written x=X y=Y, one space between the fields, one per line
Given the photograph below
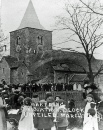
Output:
x=30 y=38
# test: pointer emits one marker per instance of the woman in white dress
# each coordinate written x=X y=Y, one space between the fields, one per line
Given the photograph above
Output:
x=90 y=105
x=89 y=123
x=26 y=120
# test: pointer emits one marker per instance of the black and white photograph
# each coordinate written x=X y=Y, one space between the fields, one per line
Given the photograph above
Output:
x=51 y=65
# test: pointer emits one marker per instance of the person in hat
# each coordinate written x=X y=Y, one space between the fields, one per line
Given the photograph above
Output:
x=51 y=103
x=35 y=98
x=43 y=119
x=26 y=119
x=20 y=102
x=90 y=89
x=48 y=94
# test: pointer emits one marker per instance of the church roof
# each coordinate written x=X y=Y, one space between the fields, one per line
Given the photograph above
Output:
x=30 y=18
x=68 y=61
x=10 y=60
x=79 y=78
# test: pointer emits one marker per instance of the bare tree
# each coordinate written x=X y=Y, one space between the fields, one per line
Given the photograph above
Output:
x=94 y=6
x=85 y=30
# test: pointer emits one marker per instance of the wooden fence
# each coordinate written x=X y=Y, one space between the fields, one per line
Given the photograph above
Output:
x=66 y=95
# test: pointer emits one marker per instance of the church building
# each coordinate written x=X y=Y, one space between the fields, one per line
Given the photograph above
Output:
x=33 y=59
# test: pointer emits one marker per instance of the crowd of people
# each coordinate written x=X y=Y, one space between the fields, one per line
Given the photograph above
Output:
x=44 y=87
x=35 y=87
x=50 y=112
x=13 y=93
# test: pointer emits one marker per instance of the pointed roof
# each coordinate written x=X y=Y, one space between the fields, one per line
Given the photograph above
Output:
x=30 y=18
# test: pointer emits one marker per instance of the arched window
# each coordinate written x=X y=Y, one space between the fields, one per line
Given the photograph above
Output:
x=18 y=44
x=18 y=40
x=40 y=40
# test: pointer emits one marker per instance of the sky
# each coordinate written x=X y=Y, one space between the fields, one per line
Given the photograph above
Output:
x=12 y=12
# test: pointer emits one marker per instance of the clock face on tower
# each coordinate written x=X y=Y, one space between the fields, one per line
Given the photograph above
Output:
x=18 y=48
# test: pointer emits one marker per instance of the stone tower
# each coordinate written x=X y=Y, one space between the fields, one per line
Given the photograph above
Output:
x=30 y=39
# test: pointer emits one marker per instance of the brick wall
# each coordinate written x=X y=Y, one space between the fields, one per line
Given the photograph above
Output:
x=19 y=75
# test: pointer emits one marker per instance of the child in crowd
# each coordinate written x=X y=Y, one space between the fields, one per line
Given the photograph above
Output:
x=89 y=99
x=89 y=123
x=57 y=104
x=57 y=98
x=71 y=112
x=26 y=120
x=61 y=117
x=48 y=94
x=51 y=103
x=90 y=105
x=20 y=102
x=35 y=100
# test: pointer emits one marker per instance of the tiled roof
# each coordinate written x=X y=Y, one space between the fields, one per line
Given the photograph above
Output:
x=69 y=67
x=78 y=77
x=75 y=61
x=14 y=63
x=10 y=60
x=67 y=61
x=45 y=80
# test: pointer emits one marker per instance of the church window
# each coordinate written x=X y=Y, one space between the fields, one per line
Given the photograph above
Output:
x=18 y=44
x=18 y=40
x=40 y=40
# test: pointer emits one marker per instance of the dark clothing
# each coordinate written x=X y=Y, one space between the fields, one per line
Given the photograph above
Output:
x=61 y=128
x=84 y=95
x=100 y=104
x=45 y=129
x=100 y=110
x=43 y=119
x=100 y=107
x=95 y=95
